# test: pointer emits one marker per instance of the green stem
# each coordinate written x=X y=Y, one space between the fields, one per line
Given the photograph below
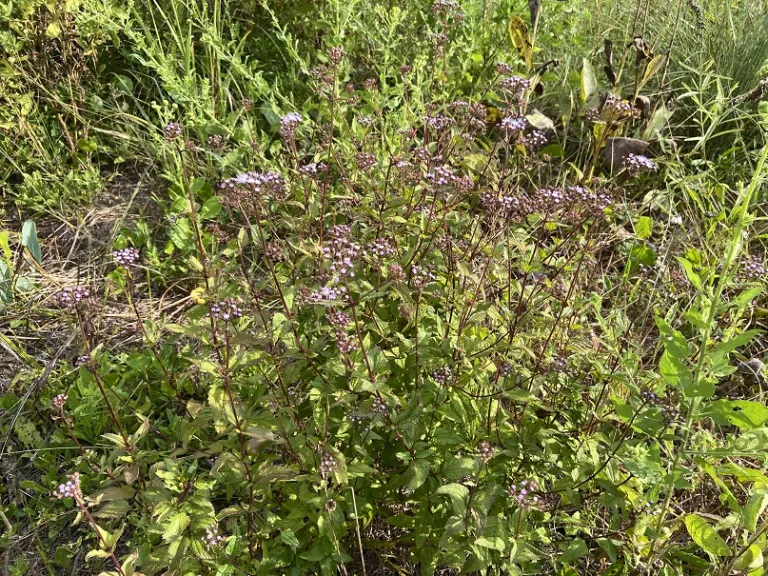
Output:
x=721 y=283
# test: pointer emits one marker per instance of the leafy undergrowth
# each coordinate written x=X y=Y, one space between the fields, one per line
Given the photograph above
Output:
x=387 y=337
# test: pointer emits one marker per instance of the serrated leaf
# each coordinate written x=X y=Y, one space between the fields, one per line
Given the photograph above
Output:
x=288 y=537
x=176 y=527
x=705 y=536
x=459 y=494
x=417 y=474
x=455 y=468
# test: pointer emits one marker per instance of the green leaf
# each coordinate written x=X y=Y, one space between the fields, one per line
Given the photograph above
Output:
x=705 y=536
x=459 y=494
x=693 y=278
x=575 y=550
x=677 y=374
x=754 y=509
x=113 y=509
x=650 y=70
x=644 y=228
x=288 y=537
x=417 y=474
x=29 y=240
x=455 y=468
x=730 y=345
x=745 y=414
x=176 y=527
x=210 y=209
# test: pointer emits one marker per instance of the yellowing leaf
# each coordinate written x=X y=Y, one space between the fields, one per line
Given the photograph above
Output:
x=518 y=34
x=705 y=536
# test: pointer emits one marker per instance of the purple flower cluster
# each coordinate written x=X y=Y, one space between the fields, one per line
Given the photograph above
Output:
x=574 y=200
x=444 y=177
x=172 y=130
x=615 y=107
x=336 y=54
x=288 y=124
x=486 y=450
x=637 y=163
x=669 y=411
x=71 y=297
x=381 y=248
x=59 y=401
x=328 y=465
x=342 y=254
x=752 y=268
x=255 y=183
x=126 y=256
x=312 y=169
x=274 y=251
x=339 y=319
x=515 y=86
x=524 y=494
x=505 y=369
x=421 y=276
x=364 y=121
x=212 y=537
x=365 y=160
x=379 y=406
x=513 y=126
x=438 y=123
x=534 y=140
x=82 y=360
x=442 y=375
x=215 y=142
x=226 y=310
x=70 y=488
x=503 y=68
x=345 y=342
x=328 y=294
x=445 y=6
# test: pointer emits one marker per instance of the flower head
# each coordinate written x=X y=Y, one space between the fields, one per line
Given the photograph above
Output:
x=126 y=256
x=70 y=488
x=71 y=297
x=226 y=310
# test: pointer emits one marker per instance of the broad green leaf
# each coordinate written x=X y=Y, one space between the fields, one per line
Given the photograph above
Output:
x=676 y=374
x=693 y=278
x=459 y=494
x=176 y=526
x=745 y=414
x=644 y=228
x=754 y=509
x=705 y=536
x=417 y=474
x=750 y=562
x=575 y=550
x=288 y=537
x=29 y=240
x=732 y=344
x=455 y=468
